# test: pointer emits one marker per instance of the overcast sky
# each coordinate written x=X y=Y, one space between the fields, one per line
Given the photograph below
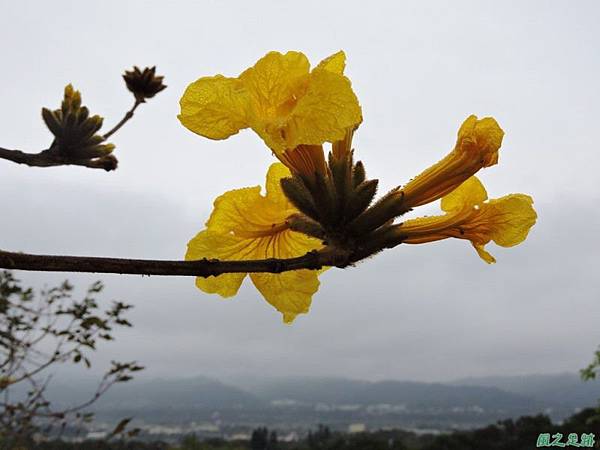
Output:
x=430 y=312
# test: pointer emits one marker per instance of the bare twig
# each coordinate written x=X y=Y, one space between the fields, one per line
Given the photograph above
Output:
x=128 y=115
x=51 y=158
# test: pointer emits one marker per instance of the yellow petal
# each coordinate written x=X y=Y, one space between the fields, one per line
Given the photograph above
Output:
x=481 y=137
x=239 y=210
x=245 y=212
x=469 y=193
x=513 y=218
x=305 y=160
x=274 y=84
x=214 y=107
x=420 y=226
x=275 y=80
x=275 y=194
x=506 y=220
x=483 y=254
x=335 y=63
x=325 y=112
x=477 y=146
x=467 y=127
x=284 y=103
x=211 y=245
x=245 y=225
x=289 y=292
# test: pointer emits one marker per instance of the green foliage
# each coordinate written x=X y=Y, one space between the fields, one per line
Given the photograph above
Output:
x=591 y=371
x=520 y=434
x=99 y=445
x=324 y=439
x=191 y=442
x=263 y=440
x=38 y=333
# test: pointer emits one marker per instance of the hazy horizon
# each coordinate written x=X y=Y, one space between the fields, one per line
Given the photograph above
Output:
x=431 y=313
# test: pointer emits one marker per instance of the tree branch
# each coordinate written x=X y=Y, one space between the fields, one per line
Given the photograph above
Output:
x=123 y=121
x=49 y=158
x=314 y=260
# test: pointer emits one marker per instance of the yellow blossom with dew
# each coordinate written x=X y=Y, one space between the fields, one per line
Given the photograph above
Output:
x=246 y=225
x=317 y=203
x=506 y=220
x=477 y=146
x=292 y=108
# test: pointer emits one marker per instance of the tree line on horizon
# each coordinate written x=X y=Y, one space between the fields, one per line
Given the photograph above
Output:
x=510 y=434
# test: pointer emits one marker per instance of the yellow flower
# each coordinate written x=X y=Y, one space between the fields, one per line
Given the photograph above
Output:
x=476 y=147
x=245 y=225
x=290 y=107
x=506 y=220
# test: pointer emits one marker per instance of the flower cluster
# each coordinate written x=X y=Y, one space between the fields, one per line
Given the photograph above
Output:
x=76 y=132
x=314 y=201
x=143 y=84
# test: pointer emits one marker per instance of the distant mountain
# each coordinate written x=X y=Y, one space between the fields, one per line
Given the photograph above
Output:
x=307 y=401
x=197 y=392
x=308 y=389
x=409 y=393
x=566 y=389
x=200 y=393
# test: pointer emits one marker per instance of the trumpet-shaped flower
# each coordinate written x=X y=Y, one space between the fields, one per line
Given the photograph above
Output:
x=246 y=225
x=476 y=147
x=293 y=109
x=506 y=220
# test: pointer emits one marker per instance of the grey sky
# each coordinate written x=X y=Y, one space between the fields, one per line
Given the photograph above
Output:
x=430 y=312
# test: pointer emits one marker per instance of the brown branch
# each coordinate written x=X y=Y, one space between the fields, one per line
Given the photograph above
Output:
x=123 y=121
x=314 y=260
x=49 y=158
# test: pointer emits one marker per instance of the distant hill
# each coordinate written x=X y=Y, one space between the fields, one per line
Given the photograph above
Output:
x=307 y=401
x=200 y=393
x=410 y=393
x=566 y=389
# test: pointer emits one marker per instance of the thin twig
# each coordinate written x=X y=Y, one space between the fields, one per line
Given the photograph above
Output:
x=128 y=115
x=51 y=158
